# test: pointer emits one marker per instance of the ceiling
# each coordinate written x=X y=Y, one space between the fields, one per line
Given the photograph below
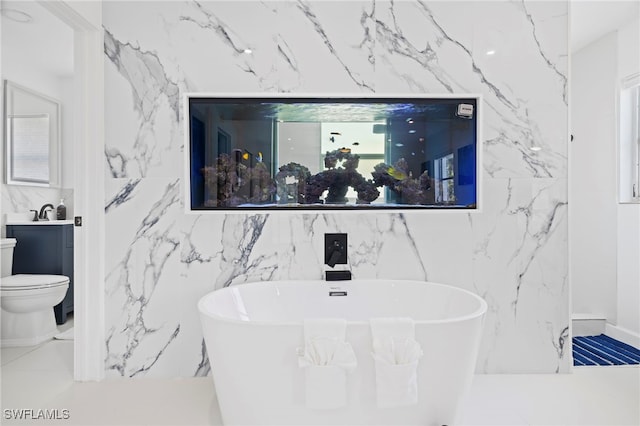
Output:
x=47 y=43
x=591 y=19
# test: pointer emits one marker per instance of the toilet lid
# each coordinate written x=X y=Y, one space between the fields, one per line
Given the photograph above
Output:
x=32 y=281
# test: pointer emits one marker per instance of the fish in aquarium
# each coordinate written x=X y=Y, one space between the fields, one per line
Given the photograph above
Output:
x=396 y=174
x=246 y=155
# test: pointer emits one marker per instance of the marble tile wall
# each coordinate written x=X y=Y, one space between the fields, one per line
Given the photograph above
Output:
x=21 y=199
x=513 y=252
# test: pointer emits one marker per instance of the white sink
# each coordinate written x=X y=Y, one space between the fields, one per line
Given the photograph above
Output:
x=41 y=222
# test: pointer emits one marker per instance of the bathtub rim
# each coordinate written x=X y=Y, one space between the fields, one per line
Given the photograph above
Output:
x=477 y=314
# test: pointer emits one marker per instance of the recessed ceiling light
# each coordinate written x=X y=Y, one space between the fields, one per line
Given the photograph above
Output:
x=491 y=52
x=248 y=51
x=16 y=15
x=412 y=131
x=399 y=144
x=535 y=148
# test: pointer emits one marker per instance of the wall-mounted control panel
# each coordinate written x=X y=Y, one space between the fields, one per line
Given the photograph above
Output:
x=335 y=249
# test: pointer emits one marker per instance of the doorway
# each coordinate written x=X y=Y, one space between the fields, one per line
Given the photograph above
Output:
x=82 y=88
x=85 y=19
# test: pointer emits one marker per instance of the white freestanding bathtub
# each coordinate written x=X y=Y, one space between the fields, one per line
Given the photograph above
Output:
x=252 y=332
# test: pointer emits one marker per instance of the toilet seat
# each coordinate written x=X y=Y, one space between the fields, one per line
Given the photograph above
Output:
x=32 y=282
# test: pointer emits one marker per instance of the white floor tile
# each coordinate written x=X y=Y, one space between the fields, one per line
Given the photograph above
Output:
x=8 y=355
x=589 y=396
x=56 y=355
x=24 y=389
x=141 y=402
x=42 y=378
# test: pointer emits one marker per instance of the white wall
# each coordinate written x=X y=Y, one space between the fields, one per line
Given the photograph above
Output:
x=593 y=179
x=604 y=234
x=628 y=247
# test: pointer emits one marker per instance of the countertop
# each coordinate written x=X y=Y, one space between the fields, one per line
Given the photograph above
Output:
x=40 y=222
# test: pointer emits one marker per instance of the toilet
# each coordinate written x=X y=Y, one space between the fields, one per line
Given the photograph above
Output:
x=27 y=302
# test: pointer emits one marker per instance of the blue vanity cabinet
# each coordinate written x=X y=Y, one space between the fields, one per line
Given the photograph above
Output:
x=45 y=249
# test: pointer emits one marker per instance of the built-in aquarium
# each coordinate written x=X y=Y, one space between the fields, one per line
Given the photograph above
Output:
x=285 y=152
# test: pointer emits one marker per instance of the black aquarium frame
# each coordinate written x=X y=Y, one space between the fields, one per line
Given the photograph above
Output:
x=470 y=153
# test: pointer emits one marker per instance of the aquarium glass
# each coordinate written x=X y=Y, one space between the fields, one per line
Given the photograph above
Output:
x=250 y=153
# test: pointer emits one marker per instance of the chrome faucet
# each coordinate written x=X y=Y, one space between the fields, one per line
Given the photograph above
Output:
x=43 y=211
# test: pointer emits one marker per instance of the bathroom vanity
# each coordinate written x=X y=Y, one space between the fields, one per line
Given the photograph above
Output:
x=45 y=248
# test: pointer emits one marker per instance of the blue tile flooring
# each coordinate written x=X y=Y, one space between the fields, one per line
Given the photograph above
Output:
x=603 y=350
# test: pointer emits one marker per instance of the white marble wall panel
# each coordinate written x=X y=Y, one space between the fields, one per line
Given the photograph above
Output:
x=209 y=40
x=145 y=137
x=520 y=257
x=143 y=269
x=513 y=252
x=21 y=199
x=322 y=49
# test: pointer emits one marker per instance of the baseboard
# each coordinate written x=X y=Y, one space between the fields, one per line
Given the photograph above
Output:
x=623 y=334
x=587 y=324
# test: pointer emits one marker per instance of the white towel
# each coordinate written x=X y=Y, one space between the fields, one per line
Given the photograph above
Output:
x=326 y=358
x=396 y=354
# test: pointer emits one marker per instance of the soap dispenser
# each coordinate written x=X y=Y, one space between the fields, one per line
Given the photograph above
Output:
x=61 y=210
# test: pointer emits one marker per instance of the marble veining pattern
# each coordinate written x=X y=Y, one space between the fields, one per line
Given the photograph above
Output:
x=561 y=76
x=156 y=99
x=366 y=42
x=513 y=252
x=22 y=199
x=135 y=281
x=239 y=262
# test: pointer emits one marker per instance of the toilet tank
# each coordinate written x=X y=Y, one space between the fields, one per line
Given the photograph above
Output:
x=7 y=245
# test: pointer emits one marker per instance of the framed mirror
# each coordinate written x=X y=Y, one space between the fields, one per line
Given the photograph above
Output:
x=32 y=137
x=331 y=153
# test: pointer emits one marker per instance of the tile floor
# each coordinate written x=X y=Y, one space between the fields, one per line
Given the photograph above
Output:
x=42 y=378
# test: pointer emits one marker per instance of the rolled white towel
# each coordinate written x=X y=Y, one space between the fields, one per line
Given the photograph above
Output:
x=396 y=354
x=326 y=358
x=323 y=351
